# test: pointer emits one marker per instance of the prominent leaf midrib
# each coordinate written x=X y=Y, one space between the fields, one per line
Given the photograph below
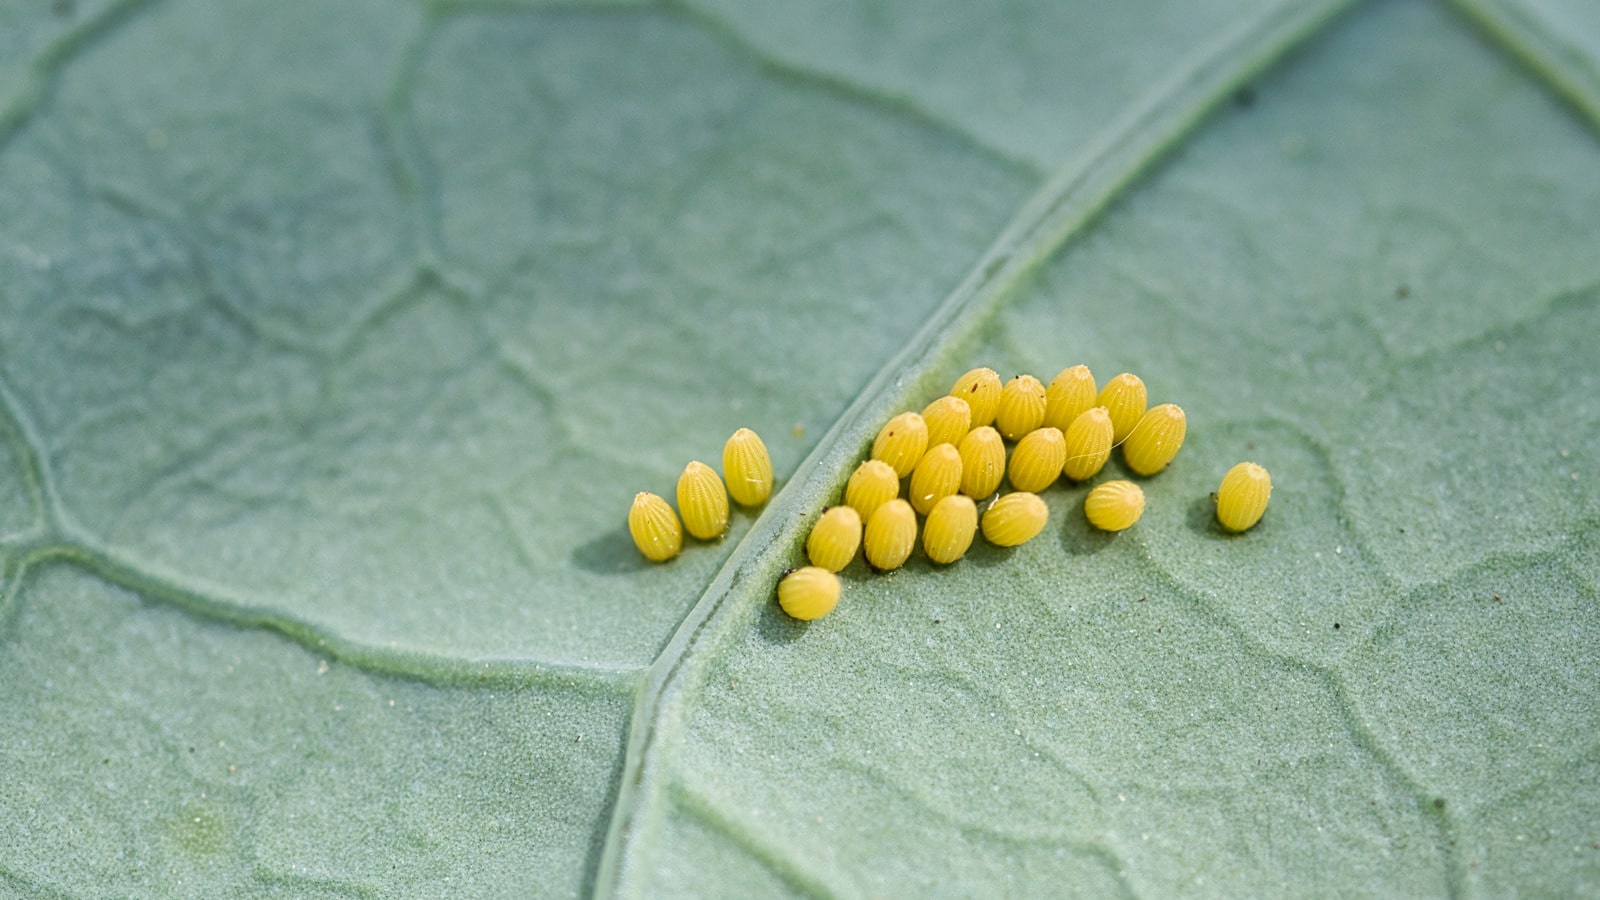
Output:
x=1532 y=40
x=1059 y=210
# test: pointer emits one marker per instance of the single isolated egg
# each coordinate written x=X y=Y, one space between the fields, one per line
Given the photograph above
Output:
x=1242 y=498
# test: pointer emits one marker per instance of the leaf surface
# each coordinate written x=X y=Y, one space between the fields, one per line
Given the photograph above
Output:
x=330 y=359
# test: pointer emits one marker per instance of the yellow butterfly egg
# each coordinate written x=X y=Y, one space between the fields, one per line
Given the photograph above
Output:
x=891 y=534
x=1089 y=440
x=1014 y=519
x=1124 y=397
x=948 y=532
x=835 y=538
x=1021 y=407
x=748 y=467
x=936 y=477
x=703 y=501
x=809 y=593
x=1114 y=505
x=902 y=442
x=1243 y=496
x=1155 y=440
x=873 y=484
x=981 y=389
x=948 y=420
x=983 y=462
x=1037 y=460
x=1069 y=395
x=654 y=527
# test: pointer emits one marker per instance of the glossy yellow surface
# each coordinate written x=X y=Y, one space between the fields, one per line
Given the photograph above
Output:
x=902 y=442
x=809 y=593
x=948 y=420
x=1089 y=440
x=1021 y=407
x=1155 y=440
x=655 y=527
x=936 y=477
x=981 y=389
x=1114 y=505
x=1069 y=394
x=983 y=462
x=748 y=468
x=1125 y=398
x=703 y=501
x=1037 y=460
x=1015 y=519
x=1242 y=498
x=890 y=535
x=871 y=485
x=948 y=533
x=834 y=538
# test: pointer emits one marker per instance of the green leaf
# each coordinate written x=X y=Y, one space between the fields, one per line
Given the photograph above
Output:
x=335 y=340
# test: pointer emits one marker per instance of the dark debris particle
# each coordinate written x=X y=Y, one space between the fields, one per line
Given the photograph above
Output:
x=937 y=621
x=1438 y=803
x=1336 y=626
x=1403 y=291
x=1497 y=598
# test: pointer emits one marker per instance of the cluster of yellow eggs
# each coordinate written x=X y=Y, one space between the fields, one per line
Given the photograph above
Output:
x=702 y=498
x=953 y=455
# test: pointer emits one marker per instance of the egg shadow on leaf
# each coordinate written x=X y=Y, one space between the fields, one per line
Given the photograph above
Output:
x=774 y=626
x=985 y=555
x=1202 y=520
x=1079 y=538
x=612 y=553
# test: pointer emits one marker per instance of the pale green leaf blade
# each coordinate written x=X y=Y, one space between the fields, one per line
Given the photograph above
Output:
x=356 y=328
x=1376 y=277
